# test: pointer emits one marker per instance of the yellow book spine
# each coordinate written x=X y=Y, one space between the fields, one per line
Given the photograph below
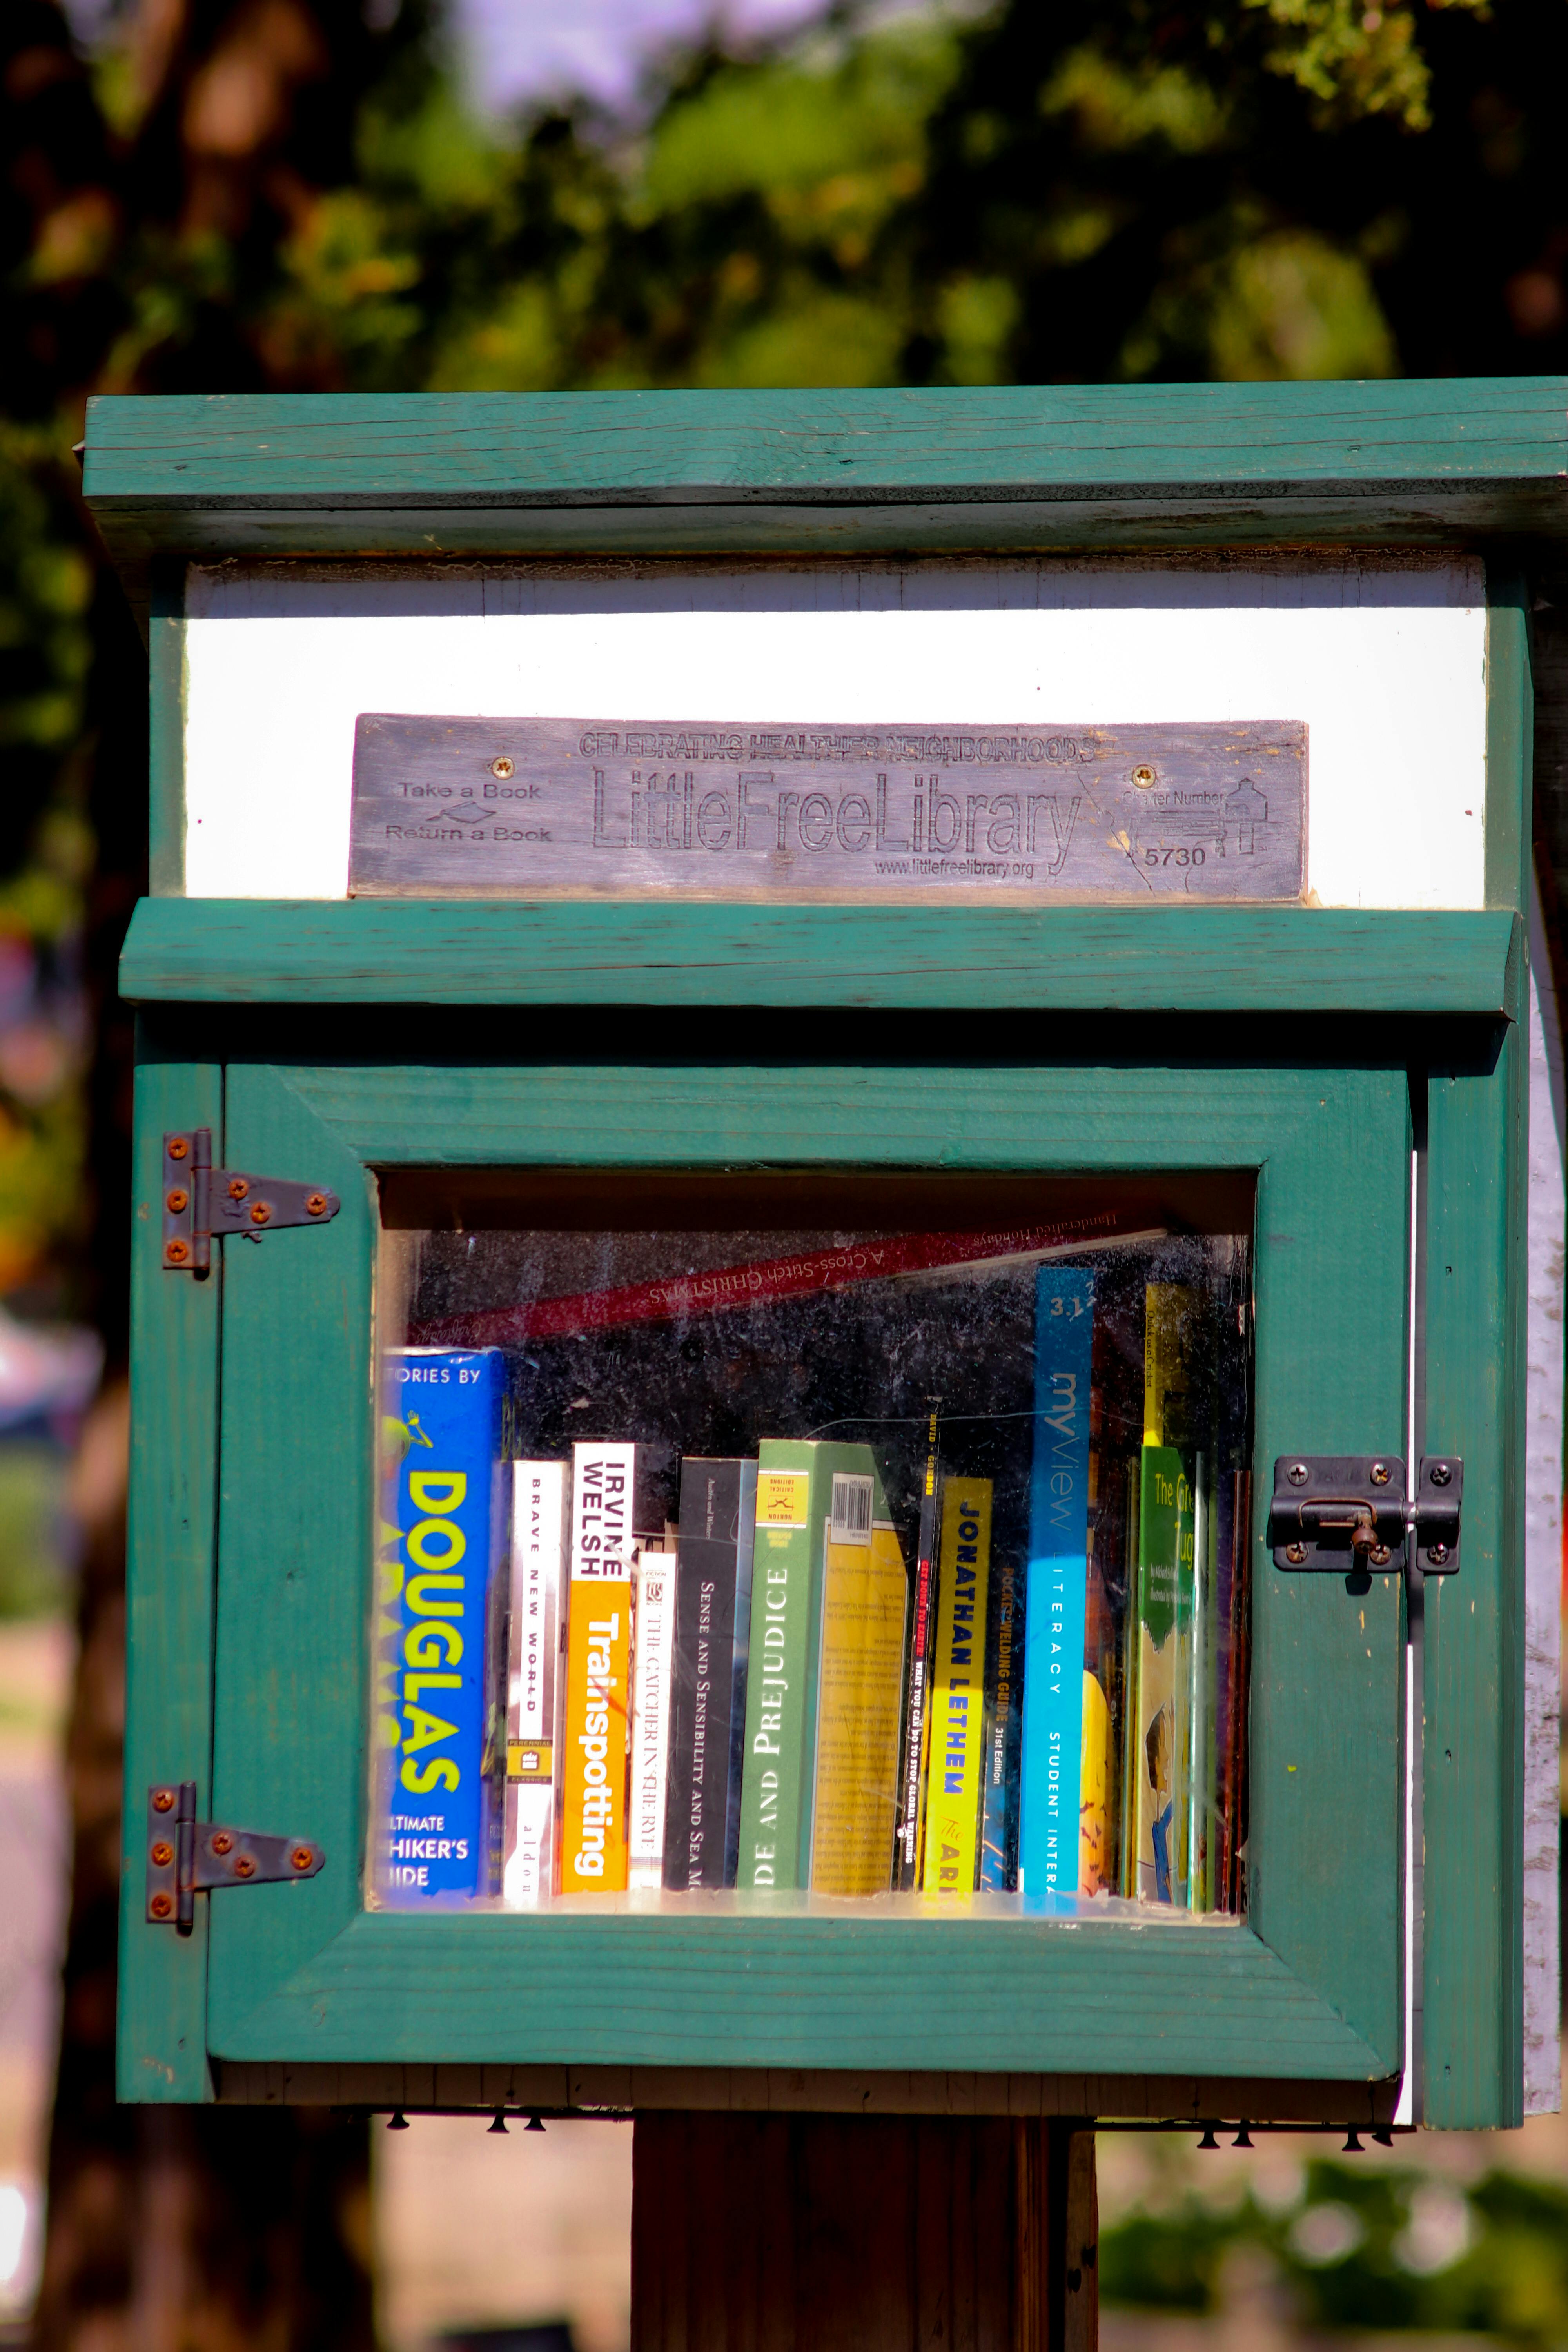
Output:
x=958 y=1690
x=1094 y=1772
x=865 y=1594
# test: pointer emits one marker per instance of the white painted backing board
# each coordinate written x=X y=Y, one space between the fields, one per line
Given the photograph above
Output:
x=1384 y=660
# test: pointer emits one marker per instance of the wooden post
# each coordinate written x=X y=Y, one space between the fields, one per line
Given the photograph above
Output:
x=787 y=2233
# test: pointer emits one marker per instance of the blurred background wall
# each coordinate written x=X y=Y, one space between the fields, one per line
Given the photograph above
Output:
x=215 y=195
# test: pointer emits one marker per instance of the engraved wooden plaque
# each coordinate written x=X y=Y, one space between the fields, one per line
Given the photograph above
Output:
x=588 y=807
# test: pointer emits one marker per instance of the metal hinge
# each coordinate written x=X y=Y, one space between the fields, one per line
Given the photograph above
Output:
x=200 y=1200
x=186 y=1857
x=1336 y=1513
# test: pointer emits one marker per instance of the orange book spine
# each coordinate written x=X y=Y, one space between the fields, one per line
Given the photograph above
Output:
x=593 y=1845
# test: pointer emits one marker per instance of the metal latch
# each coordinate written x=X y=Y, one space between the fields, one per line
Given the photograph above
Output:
x=1339 y=1513
x=186 y=1857
x=200 y=1200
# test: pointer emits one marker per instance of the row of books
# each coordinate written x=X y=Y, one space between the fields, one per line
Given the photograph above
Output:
x=774 y=1692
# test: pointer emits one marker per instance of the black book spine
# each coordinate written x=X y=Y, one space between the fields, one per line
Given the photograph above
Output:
x=702 y=1672
x=998 y=1869
x=911 y=1792
x=745 y=1545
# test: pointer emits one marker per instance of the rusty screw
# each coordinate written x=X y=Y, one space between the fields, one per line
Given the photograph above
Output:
x=301 y=1858
x=176 y=1200
x=1380 y=1474
x=1296 y=1554
x=161 y=1906
x=243 y=1867
x=1142 y=778
x=317 y=1203
x=178 y=1147
x=222 y=1841
x=501 y=767
x=260 y=1215
x=1438 y=1553
x=1442 y=1476
x=162 y=1801
x=238 y=1188
x=1296 y=1474
x=176 y=1253
x=163 y=1852
x=1379 y=1555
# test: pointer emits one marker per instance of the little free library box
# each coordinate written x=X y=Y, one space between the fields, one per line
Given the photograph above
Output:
x=829 y=1406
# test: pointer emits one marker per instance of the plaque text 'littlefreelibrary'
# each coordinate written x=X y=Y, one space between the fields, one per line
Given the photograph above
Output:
x=491 y=807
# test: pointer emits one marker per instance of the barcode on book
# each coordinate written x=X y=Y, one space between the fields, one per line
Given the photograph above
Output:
x=851 y=1520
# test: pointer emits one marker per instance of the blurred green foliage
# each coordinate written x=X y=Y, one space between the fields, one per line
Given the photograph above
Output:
x=908 y=200
x=227 y=196
x=35 y=1563
x=45 y=586
x=1364 y=2247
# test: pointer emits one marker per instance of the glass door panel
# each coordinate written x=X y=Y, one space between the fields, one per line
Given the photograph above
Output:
x=786 y=1540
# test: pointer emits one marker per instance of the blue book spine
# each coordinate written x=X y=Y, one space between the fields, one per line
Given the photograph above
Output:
x=443 y=1558
x=1058 y=1583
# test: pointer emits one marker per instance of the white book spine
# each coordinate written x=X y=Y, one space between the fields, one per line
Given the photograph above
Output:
x=540 y=1521
x=656 y=1579
x=602 y=1543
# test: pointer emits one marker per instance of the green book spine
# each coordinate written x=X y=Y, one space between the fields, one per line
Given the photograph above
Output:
x=795 y=1484
x=1161 y=1730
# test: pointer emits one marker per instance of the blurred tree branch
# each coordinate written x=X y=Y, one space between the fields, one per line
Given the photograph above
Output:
x=132 y=222
x=292 y=194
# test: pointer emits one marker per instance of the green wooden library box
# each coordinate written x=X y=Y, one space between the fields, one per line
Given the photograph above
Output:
x=829 y=1281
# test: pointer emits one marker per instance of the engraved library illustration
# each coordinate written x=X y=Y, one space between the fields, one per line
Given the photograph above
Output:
x=479 y=804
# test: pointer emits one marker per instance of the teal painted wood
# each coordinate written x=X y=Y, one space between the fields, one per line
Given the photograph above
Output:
x=1474 y=1976
x=1195 y=959
x=1331 y=1284
x=290 y=1660
x=802 y=1993
x=1511 y=733
x=826 y=471
x=1311 y=1987
x=334 y=447
x=162 y=2040
x=167 y=685
x=1439 y=516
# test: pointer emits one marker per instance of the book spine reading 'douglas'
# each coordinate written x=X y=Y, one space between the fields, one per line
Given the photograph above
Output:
x=442 y=1543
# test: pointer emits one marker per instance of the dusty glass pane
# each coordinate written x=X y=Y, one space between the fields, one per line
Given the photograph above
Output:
x=795 y=1538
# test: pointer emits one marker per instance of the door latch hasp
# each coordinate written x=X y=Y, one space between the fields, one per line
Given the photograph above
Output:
x=1351 y=1512
x=186 y=1857
x=201 y=1201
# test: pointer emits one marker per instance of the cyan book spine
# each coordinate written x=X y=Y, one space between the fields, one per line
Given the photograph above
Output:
x=1058 y=1582
x=447 y=1498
